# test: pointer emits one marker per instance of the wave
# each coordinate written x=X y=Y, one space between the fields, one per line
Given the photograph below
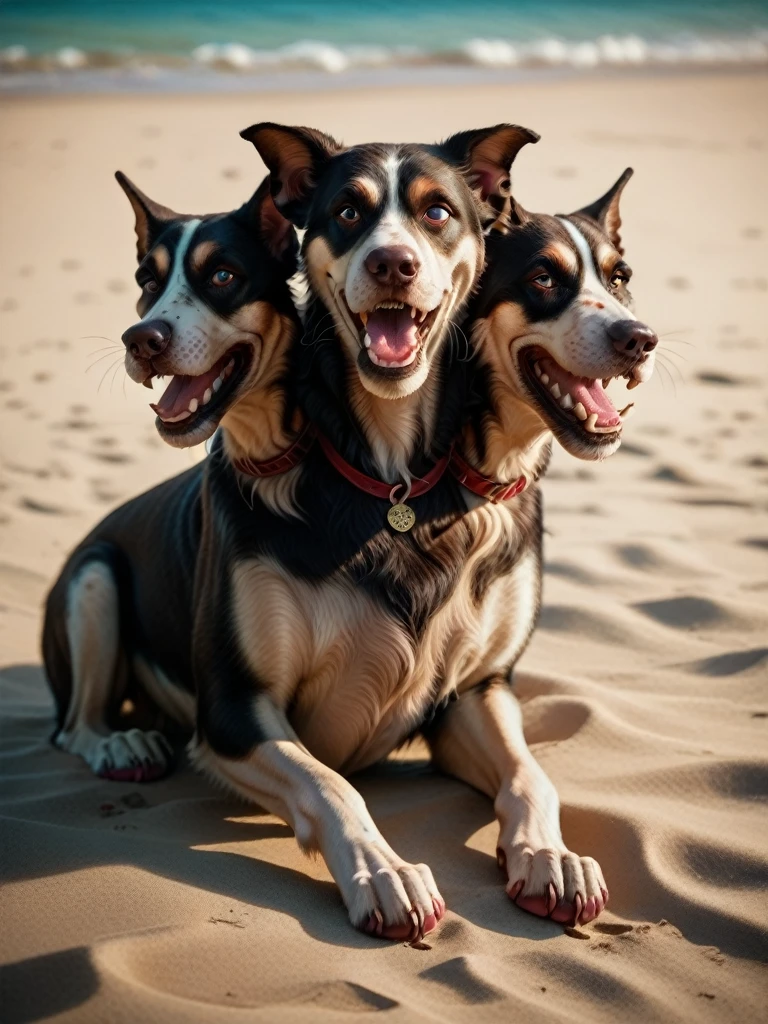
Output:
x=237 y=58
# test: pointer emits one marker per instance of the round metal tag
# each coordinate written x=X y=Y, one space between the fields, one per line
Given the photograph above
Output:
x=401 y=518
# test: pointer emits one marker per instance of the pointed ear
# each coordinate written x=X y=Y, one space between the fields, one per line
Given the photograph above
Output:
x=512 y=215
x=151 y=217
x=294 y=157
x=605 y=210
x=486 y=156
x=276 y=232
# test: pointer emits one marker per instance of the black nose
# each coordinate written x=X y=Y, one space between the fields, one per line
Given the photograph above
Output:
x=392 y=264
x=147 y=339
x=631 y=336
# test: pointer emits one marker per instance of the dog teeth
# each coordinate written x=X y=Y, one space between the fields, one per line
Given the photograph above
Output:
x=414 y=312
x=175 y=419
x=544 y=378
x=591 y=422
x=390 y=305
x=207 y=396
x=632 y=384
x=537 y=369
x=555 y=389
x=367 y=341
x=217 y=384
x=391 y=365
x=580 y=411
x=193 y=404
x=423 y=316
x=626 y=410
x=566 y=402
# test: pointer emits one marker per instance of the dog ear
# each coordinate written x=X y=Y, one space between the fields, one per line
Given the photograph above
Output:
x=276 y=232
x=605 y=210
x=511 y=215
x=151 y=217
x=294 y=157
x=486 y=155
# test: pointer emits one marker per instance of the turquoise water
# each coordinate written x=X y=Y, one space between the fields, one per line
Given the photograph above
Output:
x=141 y=36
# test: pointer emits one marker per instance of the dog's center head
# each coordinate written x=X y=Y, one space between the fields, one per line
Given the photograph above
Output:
x=394 y=237
x=556 y=322
x=215 y=308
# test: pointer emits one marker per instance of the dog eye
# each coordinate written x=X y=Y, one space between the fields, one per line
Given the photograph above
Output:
x=437 y=215
x=348 y=214
x=221 y=277
x=151 y=286
x=618 y=278
x=544 y=281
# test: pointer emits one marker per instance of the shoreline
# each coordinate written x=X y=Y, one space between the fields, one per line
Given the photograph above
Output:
x=206 y=81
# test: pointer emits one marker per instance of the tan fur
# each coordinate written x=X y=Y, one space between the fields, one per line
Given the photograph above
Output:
x=355 y=680
x=421 y=190
x=162 y=261
x=367 y=189
x=200 y=254
x=481 y=741
x=327 y=815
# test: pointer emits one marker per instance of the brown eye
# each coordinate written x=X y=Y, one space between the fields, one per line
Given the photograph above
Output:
x=437 y=216
x=222 y=277
x=348 y=215
x=151 y=286
x=618 y=278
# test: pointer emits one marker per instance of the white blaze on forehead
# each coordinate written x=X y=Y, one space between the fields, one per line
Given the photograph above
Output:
x=591 y=283
x=199 y=336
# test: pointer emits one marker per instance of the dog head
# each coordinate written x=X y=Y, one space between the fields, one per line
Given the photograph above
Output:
x=555 y=320
x=394 y=236
x=215 y=308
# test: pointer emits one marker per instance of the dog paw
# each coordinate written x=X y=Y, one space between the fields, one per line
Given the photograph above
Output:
x=132 y=756
x=391 y=899
x=553 y=882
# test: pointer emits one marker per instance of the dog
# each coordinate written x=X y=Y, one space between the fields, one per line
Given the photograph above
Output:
x=551 y=326
x=285 y=625
x=217 y=316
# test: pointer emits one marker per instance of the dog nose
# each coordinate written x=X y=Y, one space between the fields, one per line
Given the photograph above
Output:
x=147 y=339
x=632 y=336
x=392 y=264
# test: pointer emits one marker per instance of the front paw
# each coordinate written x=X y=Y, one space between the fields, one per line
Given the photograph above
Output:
x=550 y=881
x=389 y=898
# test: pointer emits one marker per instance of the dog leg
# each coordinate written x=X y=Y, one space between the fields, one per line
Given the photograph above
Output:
x=93 y=632
x=383 y=894
x=480 y=740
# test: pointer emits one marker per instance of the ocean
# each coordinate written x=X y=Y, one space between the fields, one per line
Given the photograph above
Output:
x=157 y=44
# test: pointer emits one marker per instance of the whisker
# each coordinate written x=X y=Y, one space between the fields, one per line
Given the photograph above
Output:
x=98 y=389
x=108 y=355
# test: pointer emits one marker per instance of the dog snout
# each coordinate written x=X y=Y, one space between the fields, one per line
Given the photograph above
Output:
x=146 y=340
x=631 y=337
x=392 y=264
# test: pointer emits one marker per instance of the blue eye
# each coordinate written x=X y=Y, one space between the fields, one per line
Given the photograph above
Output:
x=437 y=215
x=221 y=278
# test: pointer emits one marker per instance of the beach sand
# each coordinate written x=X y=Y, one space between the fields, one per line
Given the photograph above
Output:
x=645 y=684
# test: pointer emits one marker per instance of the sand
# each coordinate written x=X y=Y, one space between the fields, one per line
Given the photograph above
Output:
x=645 y=685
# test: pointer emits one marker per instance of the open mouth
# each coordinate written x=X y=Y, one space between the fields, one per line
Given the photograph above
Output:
x=188 y=402
x=579 y=405
x=393 y=336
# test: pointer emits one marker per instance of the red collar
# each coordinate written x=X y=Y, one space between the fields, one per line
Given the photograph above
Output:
x=281 y=463
x=477 y=483
x=378 y=488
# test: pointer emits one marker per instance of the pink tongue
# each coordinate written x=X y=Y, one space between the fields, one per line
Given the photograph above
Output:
x=393 y=334
x=180 y=392
x=581 y=389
